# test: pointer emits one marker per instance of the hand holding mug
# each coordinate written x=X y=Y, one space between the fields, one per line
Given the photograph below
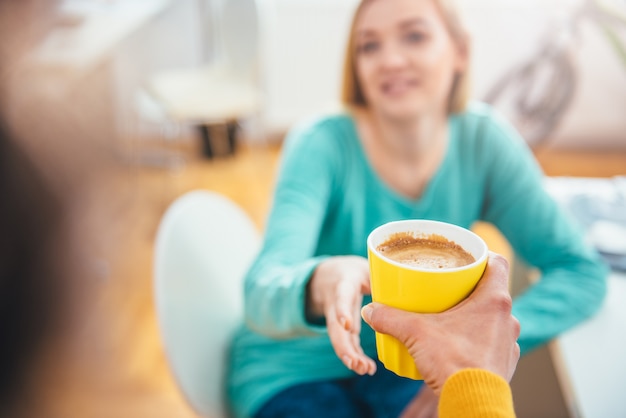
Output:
x=421 y=266
x=479 y=332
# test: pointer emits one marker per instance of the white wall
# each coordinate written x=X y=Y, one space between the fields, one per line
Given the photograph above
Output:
x=171 y=40
x=506 y=33
x=303 y=43
x=304 y=40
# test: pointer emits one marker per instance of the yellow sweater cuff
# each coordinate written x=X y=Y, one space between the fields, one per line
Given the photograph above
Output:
x=476 y=393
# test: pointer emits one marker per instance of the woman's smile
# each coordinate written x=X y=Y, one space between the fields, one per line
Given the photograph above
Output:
x=398 y=86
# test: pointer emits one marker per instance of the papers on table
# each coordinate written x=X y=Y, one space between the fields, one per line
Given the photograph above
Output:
x=599 y=206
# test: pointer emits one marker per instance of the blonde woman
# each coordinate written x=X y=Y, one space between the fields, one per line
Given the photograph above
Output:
x=408 y=146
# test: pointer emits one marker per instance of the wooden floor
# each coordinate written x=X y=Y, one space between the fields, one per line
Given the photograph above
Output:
x=111 y=363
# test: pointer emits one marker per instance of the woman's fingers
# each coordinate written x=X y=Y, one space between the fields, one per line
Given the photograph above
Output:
x=337 y=288
x=340 y=339
x=365 y=365
x=350 y=354
x=349 y=299
x=347 y=345
x=347 y=296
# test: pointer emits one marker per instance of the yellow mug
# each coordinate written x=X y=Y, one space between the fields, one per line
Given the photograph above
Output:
x=419 y=289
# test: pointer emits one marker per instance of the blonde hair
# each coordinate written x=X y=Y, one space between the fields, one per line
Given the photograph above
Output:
x=351 y=92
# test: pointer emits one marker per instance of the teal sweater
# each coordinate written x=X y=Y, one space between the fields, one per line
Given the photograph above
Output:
x=327 y=200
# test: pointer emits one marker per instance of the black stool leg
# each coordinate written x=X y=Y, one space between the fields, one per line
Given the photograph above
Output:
x=231 y=133
x=205 y=135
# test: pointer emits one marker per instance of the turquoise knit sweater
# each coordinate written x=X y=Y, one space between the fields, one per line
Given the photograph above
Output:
x=327 y=200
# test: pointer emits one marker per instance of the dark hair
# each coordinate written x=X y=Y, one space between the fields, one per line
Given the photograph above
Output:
x=31 y=285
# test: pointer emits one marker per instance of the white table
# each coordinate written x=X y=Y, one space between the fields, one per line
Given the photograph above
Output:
x=591 y=358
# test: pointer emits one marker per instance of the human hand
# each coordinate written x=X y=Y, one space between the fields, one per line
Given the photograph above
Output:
x=479 y=332
x=336 y=291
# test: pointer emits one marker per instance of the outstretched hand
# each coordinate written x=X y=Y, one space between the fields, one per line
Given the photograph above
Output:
x=336 y=292
x=479 y=332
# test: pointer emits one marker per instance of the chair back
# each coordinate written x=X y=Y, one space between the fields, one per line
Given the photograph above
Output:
x=204 y=245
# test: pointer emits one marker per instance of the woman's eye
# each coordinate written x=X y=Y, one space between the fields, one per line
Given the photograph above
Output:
x=414 y=37
x=368 y=47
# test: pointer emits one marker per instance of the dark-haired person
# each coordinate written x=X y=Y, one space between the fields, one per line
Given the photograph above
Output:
x=33 y=286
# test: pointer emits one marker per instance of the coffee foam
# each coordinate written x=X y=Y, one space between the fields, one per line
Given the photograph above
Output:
x=430 y=251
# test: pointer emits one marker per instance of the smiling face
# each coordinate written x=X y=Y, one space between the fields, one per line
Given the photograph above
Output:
x=405 y=58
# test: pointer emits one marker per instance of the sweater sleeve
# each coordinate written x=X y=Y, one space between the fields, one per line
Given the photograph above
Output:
x=573 y=278
x=476 y=393
x=275 y=286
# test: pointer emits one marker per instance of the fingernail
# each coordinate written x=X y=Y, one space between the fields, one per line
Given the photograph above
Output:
x=366 y=312
x=342 y=322
x=372 y=370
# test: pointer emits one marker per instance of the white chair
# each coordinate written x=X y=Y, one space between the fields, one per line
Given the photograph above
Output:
x=227 y=90
x=204 y=245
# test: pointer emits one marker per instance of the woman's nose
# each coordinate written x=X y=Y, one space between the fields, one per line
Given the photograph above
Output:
x=393 y=57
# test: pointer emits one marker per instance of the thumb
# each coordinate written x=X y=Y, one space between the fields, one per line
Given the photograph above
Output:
x=395 y=322
x=495 y=278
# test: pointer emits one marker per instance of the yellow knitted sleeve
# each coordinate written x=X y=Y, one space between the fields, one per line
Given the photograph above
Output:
x=476 y=393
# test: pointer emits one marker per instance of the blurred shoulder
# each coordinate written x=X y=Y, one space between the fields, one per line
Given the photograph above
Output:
x=326 y=130
x=481 y=113
x=481 y=123
x=322 y=124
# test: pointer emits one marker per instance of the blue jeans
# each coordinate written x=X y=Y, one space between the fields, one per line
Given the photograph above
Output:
x=383 y=395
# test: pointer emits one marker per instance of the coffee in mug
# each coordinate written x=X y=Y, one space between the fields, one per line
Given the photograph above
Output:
x=421 y=266
x=432 y=251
